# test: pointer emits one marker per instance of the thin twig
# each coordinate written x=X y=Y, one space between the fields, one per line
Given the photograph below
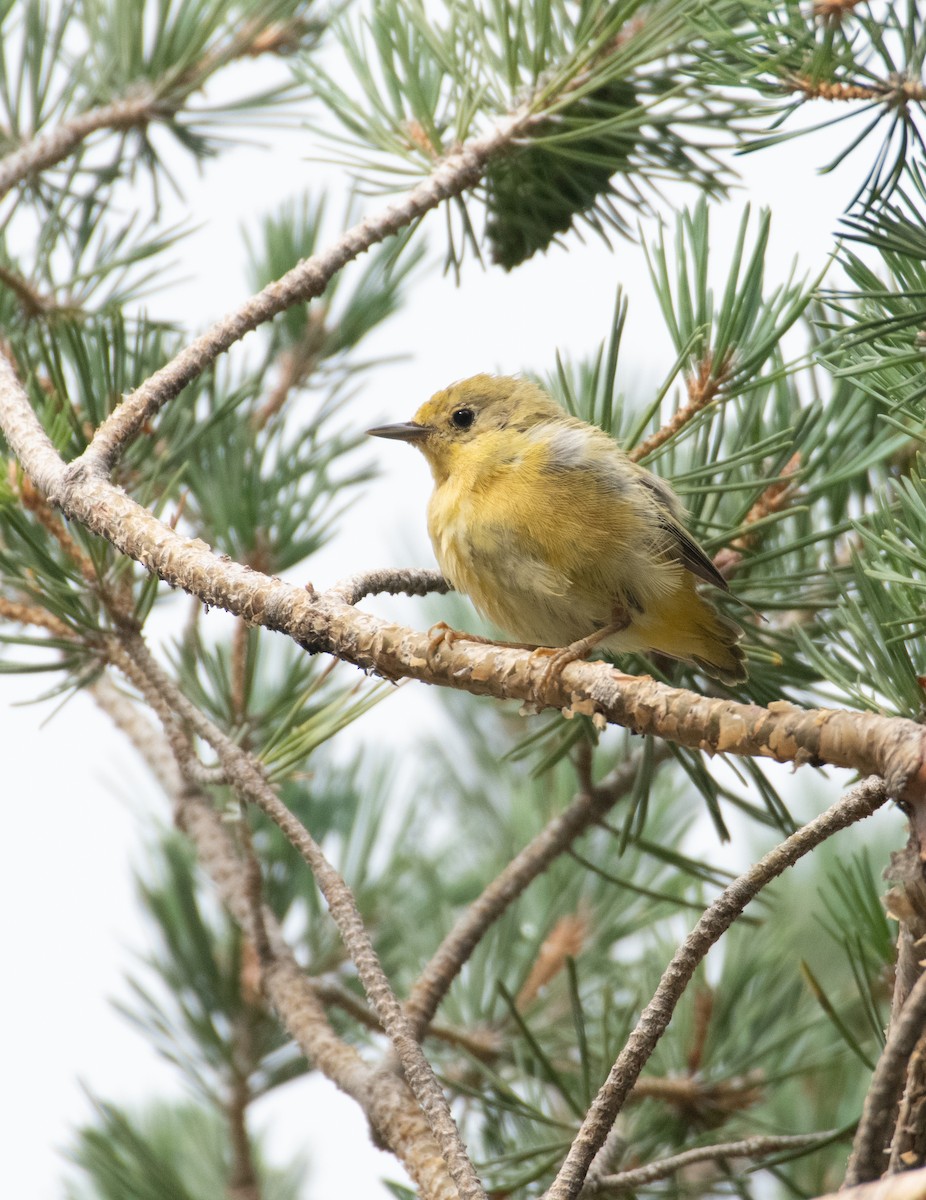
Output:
x=307 y=280
x=896 y=93
x=144 y=105
x=485 y=1044
x=32 y=302
x=828 y=89
x=857 y=804
x=242 y=1182
x=255 y=888
x=446 y=963
x=147 y=739
x=239 y=669
x=703 y=389
x=774 y=498
x=50 y=148
x=754 y=1147
x=869 y=1151
x=294 y=366
x=693 y=1094
x=384 y=1097
x=31 y=614
x=250 y=40
x=32 y=500
x=409 y=581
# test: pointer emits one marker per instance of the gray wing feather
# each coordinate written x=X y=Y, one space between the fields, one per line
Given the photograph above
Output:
x=683 y=547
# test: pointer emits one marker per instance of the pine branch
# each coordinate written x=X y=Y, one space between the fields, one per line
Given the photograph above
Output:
x=47 y=149
x=243 y=1183
x=483 y=1044
x=382 y=1095
x=148 y=741
x=907 y=1144
x=905 y=903
x=753 y=1147
x=406 y=581
x=32 y=302
x=255 y=888
x=245 y=775
x=857 y=804
x=451 y=176
x=31 y=614
x=911 y=1185
x=703 y=389
x=777 y=496
x=692 y=1092
x=894 y=94
x=891 y=747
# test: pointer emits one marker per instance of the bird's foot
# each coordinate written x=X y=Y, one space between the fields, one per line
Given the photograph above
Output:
x=560 y=658
x=443 y=634
x=557 y=659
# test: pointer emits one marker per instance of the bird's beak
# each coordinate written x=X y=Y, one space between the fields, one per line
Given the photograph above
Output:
x=407 y=432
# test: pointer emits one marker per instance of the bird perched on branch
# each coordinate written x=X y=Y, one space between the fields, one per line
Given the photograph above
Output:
x=557 y=536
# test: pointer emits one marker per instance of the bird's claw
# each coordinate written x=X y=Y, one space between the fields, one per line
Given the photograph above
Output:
x=561 y=657
x=558 y=658
x=439 y=635
x=443 y=634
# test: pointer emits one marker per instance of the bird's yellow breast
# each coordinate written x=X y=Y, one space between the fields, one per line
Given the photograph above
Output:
x=541 y=531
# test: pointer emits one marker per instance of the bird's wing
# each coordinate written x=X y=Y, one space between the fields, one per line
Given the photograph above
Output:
x=683 y=546
x=692 y=557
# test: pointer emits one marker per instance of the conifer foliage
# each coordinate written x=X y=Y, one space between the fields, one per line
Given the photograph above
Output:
x=499 y=950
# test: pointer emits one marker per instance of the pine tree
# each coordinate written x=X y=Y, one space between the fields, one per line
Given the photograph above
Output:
x=502 y=960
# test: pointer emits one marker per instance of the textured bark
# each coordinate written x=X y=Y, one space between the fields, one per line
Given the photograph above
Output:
x=906 y=902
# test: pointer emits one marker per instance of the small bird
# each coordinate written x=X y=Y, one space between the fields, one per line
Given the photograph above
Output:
x=557 y=536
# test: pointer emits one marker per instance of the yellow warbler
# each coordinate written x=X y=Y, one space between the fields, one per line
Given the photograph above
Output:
x=556 y=536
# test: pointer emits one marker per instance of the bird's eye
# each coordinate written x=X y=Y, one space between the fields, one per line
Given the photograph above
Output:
x=463 y=418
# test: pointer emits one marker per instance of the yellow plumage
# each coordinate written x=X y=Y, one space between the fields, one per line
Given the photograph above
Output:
x=555 y=535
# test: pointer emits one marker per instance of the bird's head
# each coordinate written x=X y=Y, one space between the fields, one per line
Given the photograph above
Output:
x=478 y=417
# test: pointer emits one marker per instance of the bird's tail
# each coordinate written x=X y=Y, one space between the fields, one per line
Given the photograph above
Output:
x=696 y=632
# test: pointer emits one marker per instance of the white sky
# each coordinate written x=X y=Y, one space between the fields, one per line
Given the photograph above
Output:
x=71 y=920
